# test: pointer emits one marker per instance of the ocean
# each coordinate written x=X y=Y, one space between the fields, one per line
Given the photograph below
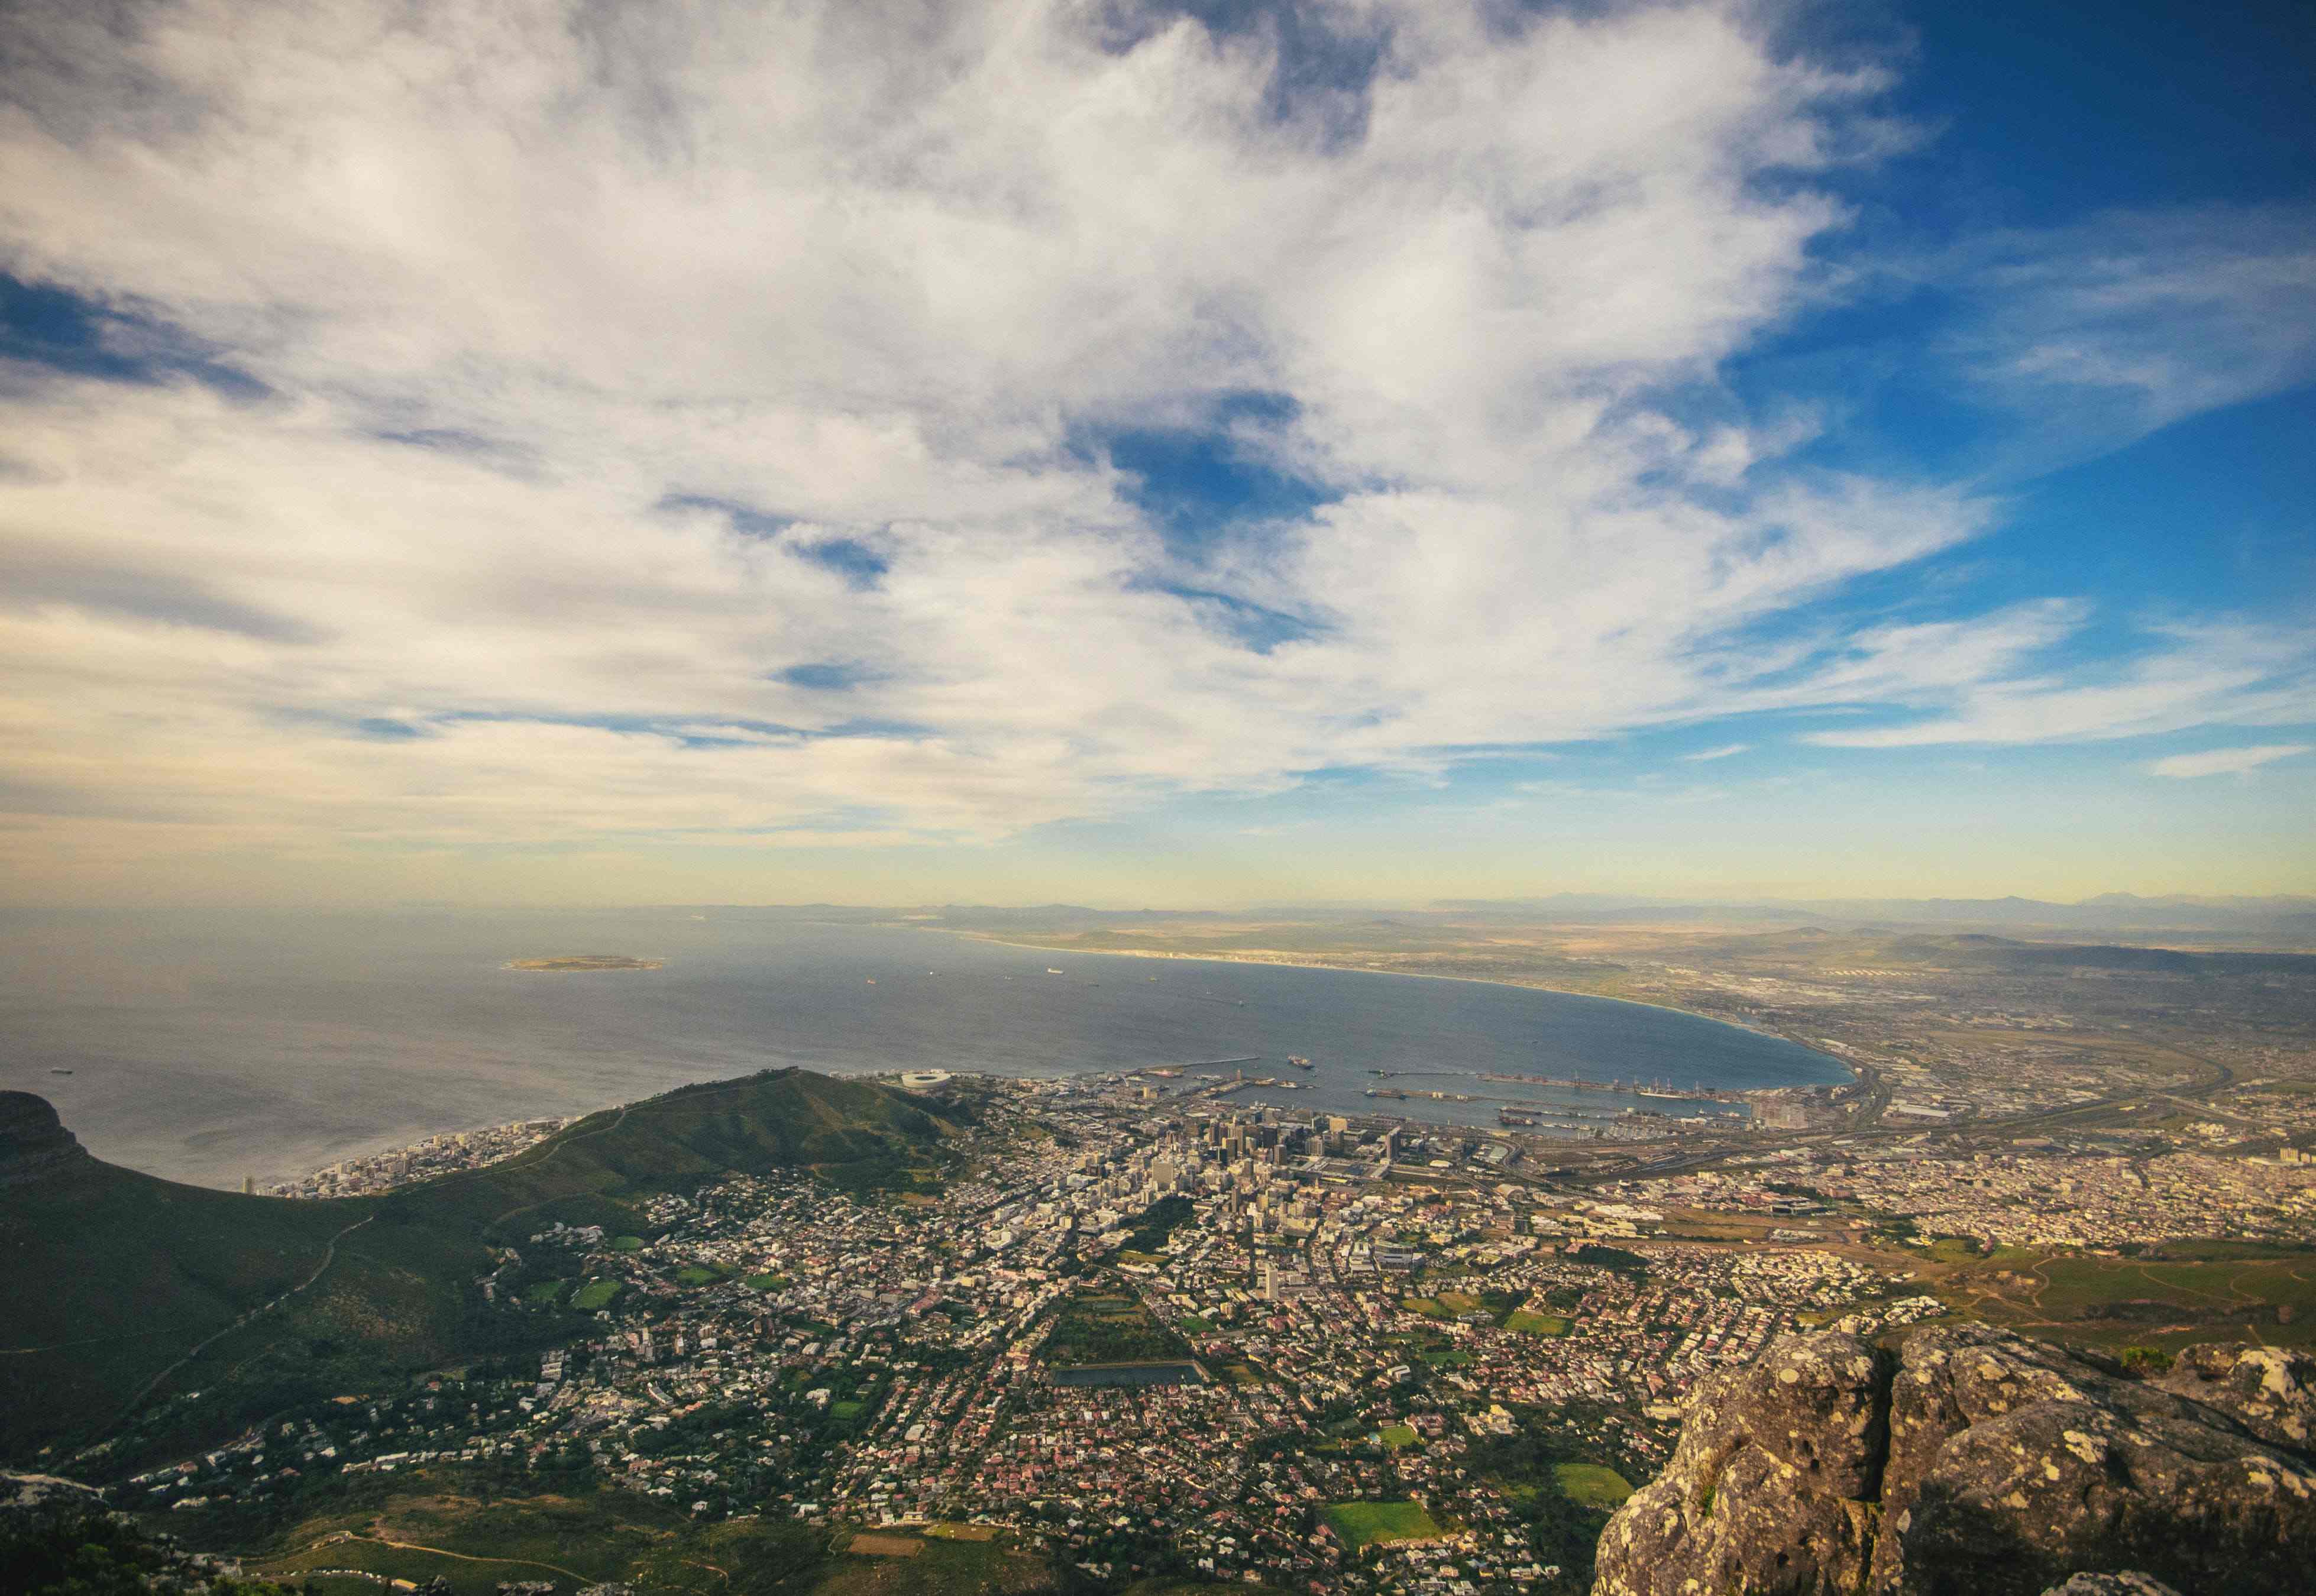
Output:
x=209 y=1048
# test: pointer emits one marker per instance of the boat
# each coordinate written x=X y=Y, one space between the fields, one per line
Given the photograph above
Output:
x=1298 y=1061
x=61 y=1072
x=1052 y=971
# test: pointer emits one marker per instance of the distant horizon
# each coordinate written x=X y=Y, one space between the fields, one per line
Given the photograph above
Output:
x=2244 y=903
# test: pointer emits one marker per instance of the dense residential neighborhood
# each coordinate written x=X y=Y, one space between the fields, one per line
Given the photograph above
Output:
x=1171 y=1334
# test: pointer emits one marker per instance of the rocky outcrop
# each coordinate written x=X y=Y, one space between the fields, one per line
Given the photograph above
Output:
x=2270 y=1391
x=33 y=1492
x=1973 y=1462
x=33 y=1142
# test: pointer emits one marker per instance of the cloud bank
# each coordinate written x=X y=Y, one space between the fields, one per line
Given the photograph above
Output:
x=461 y=424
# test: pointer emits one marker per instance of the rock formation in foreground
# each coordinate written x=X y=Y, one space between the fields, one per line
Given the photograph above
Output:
x=2267 y=1390
x=1975 y=1462
x=33 y=1142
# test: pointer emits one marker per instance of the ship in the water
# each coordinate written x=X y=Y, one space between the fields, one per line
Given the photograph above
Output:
x=1298 y=1061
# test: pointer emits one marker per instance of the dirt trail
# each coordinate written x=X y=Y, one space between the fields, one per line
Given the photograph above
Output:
x=412 y=1546
x=329 y=1256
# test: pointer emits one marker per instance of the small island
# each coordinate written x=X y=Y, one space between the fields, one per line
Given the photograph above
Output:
x=586 y=962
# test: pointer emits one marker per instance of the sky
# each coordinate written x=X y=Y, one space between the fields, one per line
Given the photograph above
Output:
x=1142 y=454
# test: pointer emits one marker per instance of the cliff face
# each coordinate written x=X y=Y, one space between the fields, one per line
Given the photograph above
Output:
x=33 y=1142
x=1976 y=1463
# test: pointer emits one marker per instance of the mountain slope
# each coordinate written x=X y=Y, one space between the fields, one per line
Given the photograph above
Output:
x=113 y=1274
x=116 y=1278
x=855 y=1134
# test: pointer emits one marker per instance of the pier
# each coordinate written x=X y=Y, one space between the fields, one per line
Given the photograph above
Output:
x=1659 y=1089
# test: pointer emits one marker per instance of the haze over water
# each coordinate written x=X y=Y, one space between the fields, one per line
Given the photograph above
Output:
x=205 y=1047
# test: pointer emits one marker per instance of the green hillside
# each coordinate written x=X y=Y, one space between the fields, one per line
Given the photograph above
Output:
x=856 y=1135
x=125 y=1292
x=113 y=1275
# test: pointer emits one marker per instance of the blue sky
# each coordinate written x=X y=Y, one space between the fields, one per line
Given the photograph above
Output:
x=1194 y=455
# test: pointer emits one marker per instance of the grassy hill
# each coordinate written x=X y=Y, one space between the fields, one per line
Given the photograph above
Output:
x=127 y=1293
x=113 y=1275
x=856 y=1135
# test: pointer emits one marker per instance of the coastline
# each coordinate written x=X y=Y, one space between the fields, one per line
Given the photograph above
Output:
x=1295 y=964
x=251 y=1106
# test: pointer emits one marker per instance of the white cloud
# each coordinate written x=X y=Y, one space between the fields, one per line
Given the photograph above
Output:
x=2213 y=674
x=2226 y=761
x=2097 y=334
x=536 y=287
x=1725 y=752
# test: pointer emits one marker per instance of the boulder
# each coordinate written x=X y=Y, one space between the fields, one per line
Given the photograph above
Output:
x=1772 y=1487
x=1972 y=1463
x=2270 y=1391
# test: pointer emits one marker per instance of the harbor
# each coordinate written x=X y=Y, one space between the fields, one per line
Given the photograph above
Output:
x=1663 y=1090
x=1509 y=1112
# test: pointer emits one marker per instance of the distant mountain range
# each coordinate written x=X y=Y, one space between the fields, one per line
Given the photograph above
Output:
x=2288 y=917
x=2112 y=911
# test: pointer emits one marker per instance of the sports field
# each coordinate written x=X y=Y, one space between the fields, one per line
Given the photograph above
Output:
x=1537 y=1324
x=595 y=1294
x=1591 y=1484
x=1376 y=1523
